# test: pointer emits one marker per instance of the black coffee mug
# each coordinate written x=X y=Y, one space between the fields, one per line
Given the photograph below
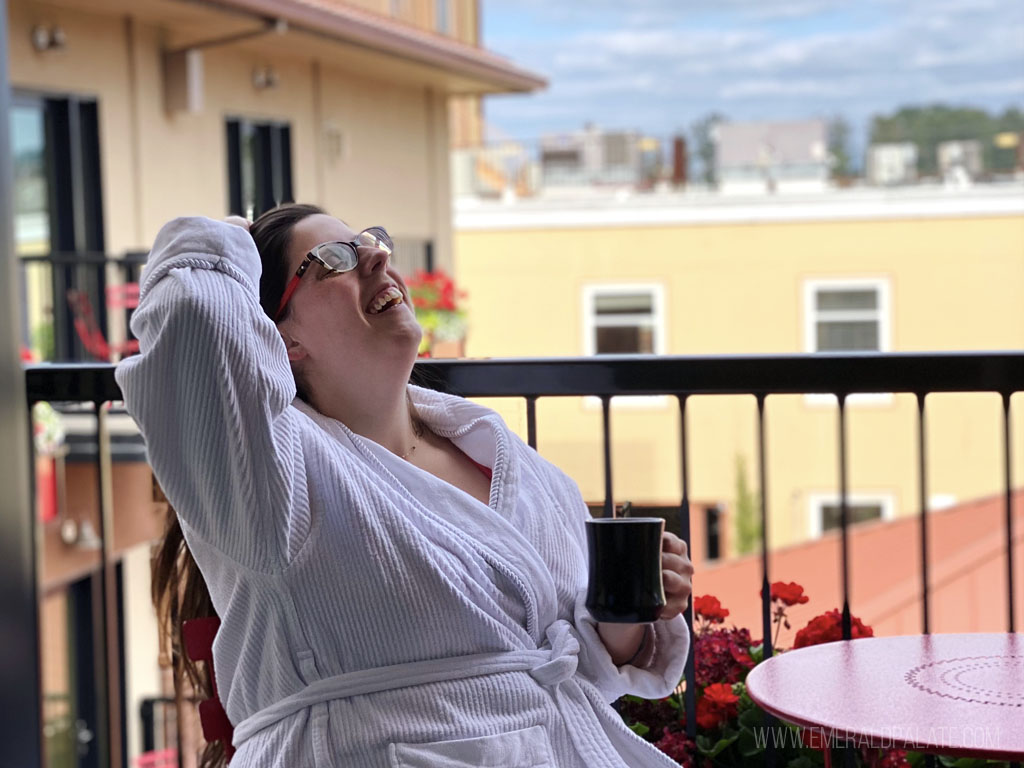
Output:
x=625 y=569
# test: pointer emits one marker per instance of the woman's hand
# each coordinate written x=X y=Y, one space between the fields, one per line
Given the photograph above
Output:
x=626 y=641
x=676 y=575
x=238 y=221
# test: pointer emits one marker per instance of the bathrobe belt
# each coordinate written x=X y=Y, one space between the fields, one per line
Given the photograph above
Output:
x=548 y=666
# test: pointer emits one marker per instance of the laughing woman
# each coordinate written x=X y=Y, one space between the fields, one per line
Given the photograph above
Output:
x=399 y=578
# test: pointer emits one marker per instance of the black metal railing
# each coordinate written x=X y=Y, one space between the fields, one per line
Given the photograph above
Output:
x=70 y=301
x=761 y=377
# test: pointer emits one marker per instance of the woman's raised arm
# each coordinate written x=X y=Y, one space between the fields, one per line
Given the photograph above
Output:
x=210 y=391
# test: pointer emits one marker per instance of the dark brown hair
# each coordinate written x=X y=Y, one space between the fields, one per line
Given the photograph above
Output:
x=178 y=589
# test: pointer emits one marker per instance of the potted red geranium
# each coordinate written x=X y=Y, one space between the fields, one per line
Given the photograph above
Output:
x=436 y=301
x=730 y=727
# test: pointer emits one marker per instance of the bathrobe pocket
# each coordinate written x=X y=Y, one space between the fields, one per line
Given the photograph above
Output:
x=526 y=748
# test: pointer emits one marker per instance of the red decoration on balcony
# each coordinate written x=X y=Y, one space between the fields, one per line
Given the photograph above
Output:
x=198 y=635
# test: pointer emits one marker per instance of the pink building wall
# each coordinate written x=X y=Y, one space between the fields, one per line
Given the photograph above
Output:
x=967 y=563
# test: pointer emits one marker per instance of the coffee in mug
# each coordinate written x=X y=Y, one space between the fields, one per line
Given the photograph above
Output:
x=625 y=569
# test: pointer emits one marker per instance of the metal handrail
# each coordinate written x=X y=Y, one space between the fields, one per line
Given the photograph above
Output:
x=622 y=375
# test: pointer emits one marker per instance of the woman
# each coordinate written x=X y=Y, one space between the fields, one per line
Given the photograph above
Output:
x=383 y=602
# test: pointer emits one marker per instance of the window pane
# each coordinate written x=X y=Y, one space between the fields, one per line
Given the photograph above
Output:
x=841 y=300
x=248 y=170
x=624 y=340
x=624 y=304
x=852 y=336
x=31 y=209
x=858 y=513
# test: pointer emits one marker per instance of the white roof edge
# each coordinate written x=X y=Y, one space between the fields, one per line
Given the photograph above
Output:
x=678 y=211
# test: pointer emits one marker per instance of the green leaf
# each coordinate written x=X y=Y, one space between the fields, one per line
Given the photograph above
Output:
x=801 y=762
x=640 y=729
x=757 y=653
x=719 y=746
x=747 y=744
x=633 y=699
x=751 y=718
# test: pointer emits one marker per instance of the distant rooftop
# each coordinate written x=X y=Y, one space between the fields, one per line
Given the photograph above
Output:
x=745 y=145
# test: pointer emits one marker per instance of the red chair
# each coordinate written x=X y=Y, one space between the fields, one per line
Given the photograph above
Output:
x=124 y=296
x=198 y=635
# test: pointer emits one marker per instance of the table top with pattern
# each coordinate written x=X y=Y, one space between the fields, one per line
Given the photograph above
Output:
x=960 y=695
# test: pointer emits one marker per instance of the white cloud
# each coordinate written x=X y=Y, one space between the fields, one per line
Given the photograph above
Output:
x=673 y=60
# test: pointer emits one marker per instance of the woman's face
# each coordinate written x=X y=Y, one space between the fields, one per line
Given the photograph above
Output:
x=330 y=316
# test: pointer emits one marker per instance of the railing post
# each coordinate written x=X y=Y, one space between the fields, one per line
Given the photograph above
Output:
x=531 y=421
x=766 y=618
x=108 y=586
x=1008 y=476
x=606 y=427
x=21 y=725
x=922 y=476
x=769 y=721
x=690 y=670
x=844 y=519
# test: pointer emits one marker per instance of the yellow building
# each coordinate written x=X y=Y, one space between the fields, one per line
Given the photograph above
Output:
x=912 y=270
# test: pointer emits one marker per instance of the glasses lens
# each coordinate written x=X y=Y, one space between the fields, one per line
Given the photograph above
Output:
x=338 y=256
x=376 y=237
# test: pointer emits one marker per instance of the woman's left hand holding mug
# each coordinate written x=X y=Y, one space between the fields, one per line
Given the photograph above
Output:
x=676 y=575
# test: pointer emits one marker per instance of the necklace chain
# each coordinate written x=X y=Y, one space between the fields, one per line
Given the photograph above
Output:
x=417 y=429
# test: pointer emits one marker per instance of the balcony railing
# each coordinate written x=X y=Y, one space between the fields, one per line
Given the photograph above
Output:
x=76 y=306
x=759 y=377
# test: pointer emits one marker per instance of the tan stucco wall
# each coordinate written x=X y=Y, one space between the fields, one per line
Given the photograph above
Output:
x=955 y=284
x=156 y=166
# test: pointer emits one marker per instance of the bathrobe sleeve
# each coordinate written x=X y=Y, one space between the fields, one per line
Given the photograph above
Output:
x=661 y=674
x=210 y=389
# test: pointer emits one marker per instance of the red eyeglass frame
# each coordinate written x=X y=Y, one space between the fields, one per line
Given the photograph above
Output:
x=383 y=243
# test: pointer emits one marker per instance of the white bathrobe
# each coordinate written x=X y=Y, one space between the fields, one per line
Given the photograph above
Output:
x=372 y=614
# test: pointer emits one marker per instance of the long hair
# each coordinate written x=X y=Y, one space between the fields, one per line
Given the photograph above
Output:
x=178 y=589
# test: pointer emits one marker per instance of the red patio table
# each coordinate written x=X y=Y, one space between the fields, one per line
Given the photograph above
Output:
x=959 y=695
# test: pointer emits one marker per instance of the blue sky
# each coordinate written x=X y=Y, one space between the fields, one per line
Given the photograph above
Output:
x=658 y=65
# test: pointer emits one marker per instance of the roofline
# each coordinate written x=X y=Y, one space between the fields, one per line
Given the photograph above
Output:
x=361 y=28
x=682 y=210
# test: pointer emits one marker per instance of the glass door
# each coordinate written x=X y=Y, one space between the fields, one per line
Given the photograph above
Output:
x=58 y=219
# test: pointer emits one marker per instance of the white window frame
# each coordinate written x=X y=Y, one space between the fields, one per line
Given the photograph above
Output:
x=590 y=293
x=883 y=313
x=816 y=502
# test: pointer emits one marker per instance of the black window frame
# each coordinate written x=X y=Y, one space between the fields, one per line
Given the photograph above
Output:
x=272 y=164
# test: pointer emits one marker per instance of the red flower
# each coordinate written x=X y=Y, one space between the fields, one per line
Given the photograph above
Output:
x=721 y=695
x=827 y=628
x=741 y=656
x=678 y=746
x=722 y=656
x=709 y=609
x=790 y=594
x=717 y=705
x=434 y=290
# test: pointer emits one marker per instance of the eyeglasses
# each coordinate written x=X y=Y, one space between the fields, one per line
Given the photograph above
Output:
x=337 y=257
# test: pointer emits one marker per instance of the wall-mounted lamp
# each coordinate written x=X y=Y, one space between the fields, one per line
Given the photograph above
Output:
x=264 y=78
x=50 y=38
